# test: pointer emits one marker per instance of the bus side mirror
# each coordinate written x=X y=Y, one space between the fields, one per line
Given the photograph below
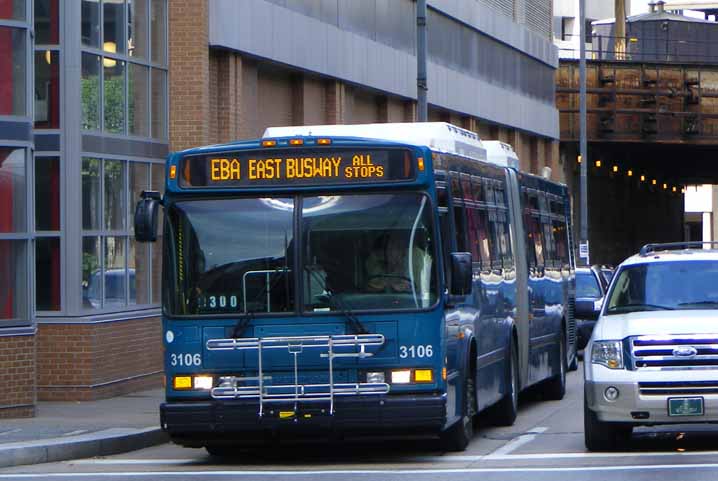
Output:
x=460 y=273
x=146 y=214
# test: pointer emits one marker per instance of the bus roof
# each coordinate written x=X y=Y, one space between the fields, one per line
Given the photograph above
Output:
x=438 y=136
x=501 y=153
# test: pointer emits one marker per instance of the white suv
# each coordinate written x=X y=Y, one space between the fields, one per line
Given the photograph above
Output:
x=653 y=355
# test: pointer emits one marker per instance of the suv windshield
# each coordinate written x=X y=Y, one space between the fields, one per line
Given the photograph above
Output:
x=587 y=286
x=665 y=286
x=231 y=256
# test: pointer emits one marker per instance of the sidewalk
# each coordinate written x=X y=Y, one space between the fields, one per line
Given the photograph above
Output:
x=72 y=430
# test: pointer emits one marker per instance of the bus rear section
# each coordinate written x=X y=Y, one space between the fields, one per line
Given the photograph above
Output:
x=294 y=306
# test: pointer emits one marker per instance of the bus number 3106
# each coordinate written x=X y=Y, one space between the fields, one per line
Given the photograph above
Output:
x=185 y=359
x=416 y=351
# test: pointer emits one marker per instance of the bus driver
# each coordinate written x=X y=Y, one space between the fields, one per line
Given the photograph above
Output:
x=387 y=265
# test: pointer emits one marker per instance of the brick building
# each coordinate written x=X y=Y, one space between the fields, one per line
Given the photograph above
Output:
x=83 y=128
x=85 y=124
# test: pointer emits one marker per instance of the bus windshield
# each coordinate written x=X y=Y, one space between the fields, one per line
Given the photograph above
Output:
x=357 y=252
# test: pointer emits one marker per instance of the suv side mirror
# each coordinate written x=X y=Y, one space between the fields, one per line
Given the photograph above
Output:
x=460 y=273
x=146 y=216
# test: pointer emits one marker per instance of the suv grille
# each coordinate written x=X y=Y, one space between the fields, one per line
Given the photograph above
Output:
x=675 y=352
x=678 y=388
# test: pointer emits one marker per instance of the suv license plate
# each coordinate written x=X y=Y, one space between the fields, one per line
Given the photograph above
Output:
x=685 y=406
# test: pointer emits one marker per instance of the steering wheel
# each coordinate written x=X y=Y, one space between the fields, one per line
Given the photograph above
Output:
x=389 y=276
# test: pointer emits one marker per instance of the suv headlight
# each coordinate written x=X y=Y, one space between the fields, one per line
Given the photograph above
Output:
x=608 y=353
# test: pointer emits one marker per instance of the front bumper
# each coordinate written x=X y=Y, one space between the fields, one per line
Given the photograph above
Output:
x=640 y=406
x=195 y=424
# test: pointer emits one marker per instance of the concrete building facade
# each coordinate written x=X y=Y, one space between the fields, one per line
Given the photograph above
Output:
x=239 y=67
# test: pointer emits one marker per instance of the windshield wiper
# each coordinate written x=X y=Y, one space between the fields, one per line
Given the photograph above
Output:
x=340 y=304
x=650 y=306
x=699 y=303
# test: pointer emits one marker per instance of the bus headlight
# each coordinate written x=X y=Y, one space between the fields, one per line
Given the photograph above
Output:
x=608 y=353
x=401 y=376
x=203 y=382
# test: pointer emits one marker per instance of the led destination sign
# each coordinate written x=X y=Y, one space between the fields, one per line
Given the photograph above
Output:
x=283 y=167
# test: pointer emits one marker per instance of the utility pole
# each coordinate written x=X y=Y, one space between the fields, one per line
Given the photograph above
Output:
x=620 y=32
x=583 y=190
x=421 y=83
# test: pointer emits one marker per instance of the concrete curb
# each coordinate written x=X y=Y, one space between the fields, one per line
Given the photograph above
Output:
x=101 y=443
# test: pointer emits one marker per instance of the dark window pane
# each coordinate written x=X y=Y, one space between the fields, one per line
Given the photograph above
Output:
x=91 y=273
x=47 y=90
x=47 y=274
x=12 y=71
x=114 y=194
x=159 y=31
x=13 y=281
x=139 y=181
x=139 y=272
x=158 y=184
x=114 y=95
x=12 y=190
x=138 y=109
x=47 y=22
x=90 y=193
x=47 y=193
x=113 y=19
x=159 y=104
x=137 y=43
x=114 y=272
x=90 y=92
x=91 y=23
x=12 y=9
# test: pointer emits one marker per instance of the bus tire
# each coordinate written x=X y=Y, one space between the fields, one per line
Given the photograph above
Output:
x=505 y=411
x=601 y=436
x=555 y=388
x=458 y=436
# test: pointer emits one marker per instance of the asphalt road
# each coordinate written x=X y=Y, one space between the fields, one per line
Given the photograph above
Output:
x=546 y=443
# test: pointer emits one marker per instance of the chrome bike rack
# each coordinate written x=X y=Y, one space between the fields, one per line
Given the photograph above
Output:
x=339 y=346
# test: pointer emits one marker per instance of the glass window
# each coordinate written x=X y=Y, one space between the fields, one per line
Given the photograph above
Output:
x=12 y=190
x=587 y=286
x=158 y=184
x=47 y=22
x=114 y=194
x=47 y=193
x=137 y=41
x=139 y=181
x=159 y=31
x=91 y=193
x=90 y=92
x=13 y=80
x=47 y=89
x=139 y=272
x=113 y=22
x=224 y=270
x=368 y=252
x=114 y=272
x=12 y=9
x=91 y=273
x=91 y=23
x=13 y=282
x=114 y=95
x=47 y=274
x=159 y=104
x=138 y=110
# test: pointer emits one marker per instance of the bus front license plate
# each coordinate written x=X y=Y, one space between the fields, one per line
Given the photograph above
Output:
x=685 y=406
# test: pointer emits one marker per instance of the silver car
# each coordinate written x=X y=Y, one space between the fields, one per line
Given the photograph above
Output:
x=653 y=355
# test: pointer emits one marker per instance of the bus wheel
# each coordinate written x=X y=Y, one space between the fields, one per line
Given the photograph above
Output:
x=504 y=413
x=458 y=436
x=555 y=388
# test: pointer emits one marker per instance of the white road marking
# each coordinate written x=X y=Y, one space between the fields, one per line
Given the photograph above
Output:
x=5 y=433
x=155 y=474
x=517 y=443
x=73 y=433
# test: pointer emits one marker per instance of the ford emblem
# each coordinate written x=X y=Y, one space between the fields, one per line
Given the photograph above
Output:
x=685 y=351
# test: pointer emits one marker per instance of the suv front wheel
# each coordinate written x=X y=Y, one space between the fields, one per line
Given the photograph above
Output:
x=601 y=436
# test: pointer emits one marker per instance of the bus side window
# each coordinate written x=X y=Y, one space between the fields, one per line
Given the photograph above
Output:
x=445 y=227
x=457 y=200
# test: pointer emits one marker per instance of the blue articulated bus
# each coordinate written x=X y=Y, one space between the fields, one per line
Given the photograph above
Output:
x=368 y=279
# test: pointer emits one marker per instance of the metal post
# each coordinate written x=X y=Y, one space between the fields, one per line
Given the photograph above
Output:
x=421 y=83
x=583 y=190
